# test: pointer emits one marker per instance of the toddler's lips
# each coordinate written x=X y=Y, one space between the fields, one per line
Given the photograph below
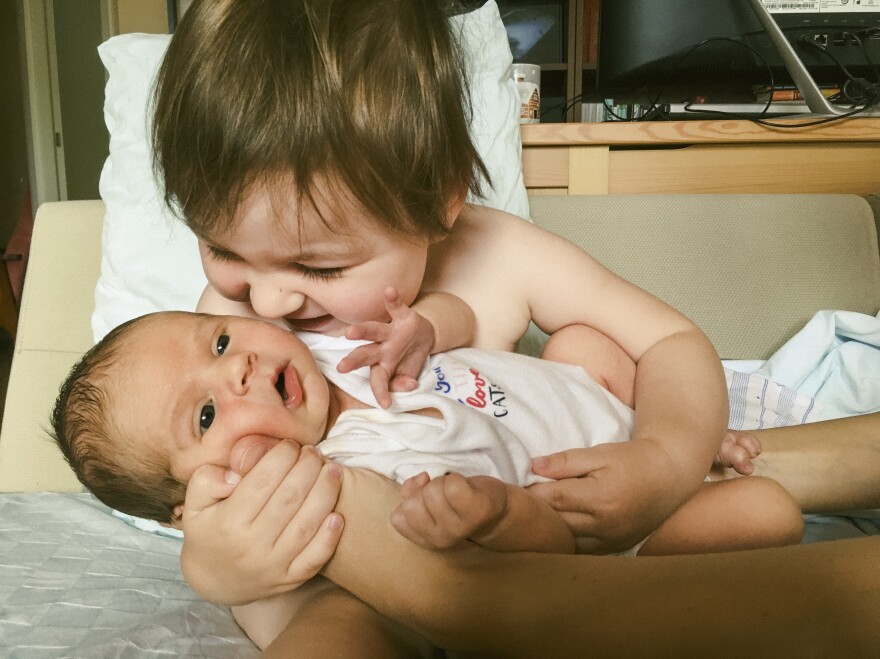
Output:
x=289 y=387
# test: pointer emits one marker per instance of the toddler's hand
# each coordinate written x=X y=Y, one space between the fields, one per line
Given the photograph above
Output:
x=737 y=451
x=265 y=535
x=611 y=495
x=441 y=513
x=398 y=352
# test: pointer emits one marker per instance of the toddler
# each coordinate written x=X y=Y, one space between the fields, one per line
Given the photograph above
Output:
x=319 y=149
x=167 y=393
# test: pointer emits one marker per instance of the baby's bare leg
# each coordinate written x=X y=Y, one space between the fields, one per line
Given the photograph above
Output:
x=826 y=466
x=320 y=619
x=746 y=513
x=602 y=359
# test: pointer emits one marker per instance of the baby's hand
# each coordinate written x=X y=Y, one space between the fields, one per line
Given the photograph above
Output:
x=441 y=513
x=399 y=350
x=737 y=451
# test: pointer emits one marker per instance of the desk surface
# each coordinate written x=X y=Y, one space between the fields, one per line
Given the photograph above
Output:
x=723 y=131
x=718 y=156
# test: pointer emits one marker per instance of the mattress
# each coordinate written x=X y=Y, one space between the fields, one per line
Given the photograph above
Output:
x=77 y=582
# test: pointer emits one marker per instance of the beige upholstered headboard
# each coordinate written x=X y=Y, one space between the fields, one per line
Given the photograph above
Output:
x=749 y=269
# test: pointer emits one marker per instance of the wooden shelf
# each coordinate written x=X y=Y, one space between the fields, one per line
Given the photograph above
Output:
x=710 y=157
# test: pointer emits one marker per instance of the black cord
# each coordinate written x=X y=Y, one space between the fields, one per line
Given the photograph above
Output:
x=650 y=113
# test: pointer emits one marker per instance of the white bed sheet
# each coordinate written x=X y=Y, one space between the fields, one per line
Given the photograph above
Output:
x=77 y=582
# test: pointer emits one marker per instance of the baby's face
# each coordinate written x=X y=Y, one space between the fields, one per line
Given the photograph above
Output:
x=205 y=389
x=290 y=265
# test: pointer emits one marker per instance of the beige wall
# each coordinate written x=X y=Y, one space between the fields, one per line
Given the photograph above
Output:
x=141 y=16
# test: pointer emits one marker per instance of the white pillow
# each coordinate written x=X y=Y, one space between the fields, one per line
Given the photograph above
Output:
x=150 y=259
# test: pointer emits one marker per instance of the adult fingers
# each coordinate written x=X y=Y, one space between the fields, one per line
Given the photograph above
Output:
x=289 y=495
x=208 y=485
x=257 y=488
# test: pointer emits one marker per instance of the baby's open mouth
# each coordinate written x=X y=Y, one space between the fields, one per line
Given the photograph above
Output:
x=288 y=386
x=279 y=385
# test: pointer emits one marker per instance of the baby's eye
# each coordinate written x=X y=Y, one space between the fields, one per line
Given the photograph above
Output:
x=206 y=417
x=222 y=343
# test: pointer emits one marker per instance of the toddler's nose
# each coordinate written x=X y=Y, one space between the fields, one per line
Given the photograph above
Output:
x=270 y=301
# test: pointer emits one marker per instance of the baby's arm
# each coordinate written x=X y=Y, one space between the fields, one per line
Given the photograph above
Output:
x=450 y=509
x=435 y=322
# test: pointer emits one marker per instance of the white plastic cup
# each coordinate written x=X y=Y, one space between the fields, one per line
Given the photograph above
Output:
x=528 y=83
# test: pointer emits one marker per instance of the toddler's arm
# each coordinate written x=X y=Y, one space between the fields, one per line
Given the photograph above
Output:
x=436 y=322
x=450 y=509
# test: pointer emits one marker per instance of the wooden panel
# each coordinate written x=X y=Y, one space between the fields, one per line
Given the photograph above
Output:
x=588 y=170
x=831 y=168
x=537 y=192
x=545 y=166
x=698 y=132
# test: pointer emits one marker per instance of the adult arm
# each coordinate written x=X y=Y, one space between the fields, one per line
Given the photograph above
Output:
x=443 y=512
x=809 y=599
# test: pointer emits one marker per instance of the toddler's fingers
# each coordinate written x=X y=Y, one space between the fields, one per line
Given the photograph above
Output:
x=379 y=386
x=366 y=355
x=403 y=383
x=572 y=463
x=393 y=305
x=368 y=331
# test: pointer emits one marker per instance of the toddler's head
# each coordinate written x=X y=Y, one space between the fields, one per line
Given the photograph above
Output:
x=313 y=100
x=166 y=393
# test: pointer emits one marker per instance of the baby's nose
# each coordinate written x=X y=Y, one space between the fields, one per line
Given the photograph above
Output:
x=241 y=370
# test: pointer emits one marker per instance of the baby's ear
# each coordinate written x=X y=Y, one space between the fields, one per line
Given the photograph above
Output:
x=176 y=518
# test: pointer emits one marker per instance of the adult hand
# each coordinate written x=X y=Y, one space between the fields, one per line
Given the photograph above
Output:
x=611 y=495
x=266 y=534
x=398 y=351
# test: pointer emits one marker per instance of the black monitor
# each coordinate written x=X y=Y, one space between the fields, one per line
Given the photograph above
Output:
x=649 y=47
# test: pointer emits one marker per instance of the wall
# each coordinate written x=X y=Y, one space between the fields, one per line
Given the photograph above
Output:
x=142 y=16
x=13 y=144
x=81 y=94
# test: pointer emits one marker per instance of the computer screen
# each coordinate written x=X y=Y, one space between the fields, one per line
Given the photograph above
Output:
x=683 y=49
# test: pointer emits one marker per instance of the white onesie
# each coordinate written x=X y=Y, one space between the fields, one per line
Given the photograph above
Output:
x=498 y=410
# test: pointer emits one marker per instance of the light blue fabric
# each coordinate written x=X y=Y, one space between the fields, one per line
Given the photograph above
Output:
x=835 y=358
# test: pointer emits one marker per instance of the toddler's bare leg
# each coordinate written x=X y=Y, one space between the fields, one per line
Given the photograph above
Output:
x=319 y=619
x=826 y=466
x=746 y=513
x=602 y=359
